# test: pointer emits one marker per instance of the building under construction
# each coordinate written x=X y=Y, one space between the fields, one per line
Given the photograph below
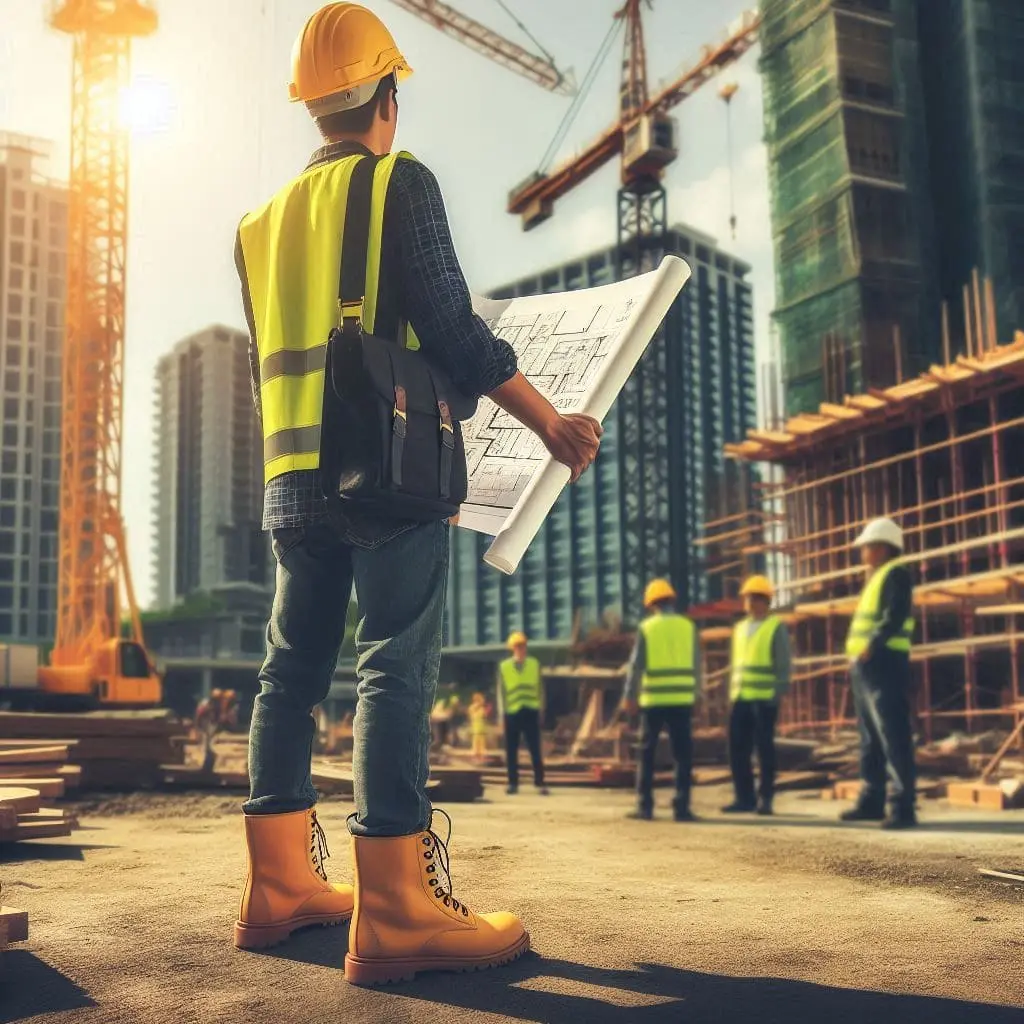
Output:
x=897 y=166
x=943 y=454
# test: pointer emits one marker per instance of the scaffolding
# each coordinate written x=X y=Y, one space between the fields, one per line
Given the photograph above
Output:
x=943 y=454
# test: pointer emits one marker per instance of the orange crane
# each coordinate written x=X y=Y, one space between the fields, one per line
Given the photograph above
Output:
x=91 y=661
x=477 y=36
x=645 y=133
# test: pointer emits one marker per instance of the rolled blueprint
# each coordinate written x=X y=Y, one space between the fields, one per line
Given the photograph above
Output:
x=578 y=349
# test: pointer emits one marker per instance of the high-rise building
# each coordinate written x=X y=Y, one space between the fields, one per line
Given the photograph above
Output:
x=578 y=561
x=974 y=88
x=208 y=501
x=850 y=199
x=33 y=259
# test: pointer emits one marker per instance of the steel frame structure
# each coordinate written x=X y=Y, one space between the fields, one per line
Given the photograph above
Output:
x=93 y=561
x=942 y=454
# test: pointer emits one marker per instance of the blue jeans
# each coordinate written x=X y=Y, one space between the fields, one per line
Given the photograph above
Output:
x=400 y=579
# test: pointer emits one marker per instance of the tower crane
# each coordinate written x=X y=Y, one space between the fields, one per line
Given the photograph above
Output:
x=644 y=136
x=91 y=661
x=475 y=35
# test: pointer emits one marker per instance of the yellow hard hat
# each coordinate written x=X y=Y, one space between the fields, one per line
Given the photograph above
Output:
x=758 y=585
x=515 y=639
x=659 y=590
x=341 y=54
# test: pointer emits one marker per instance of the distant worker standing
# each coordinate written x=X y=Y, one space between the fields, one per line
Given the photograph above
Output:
x=521 y=705
x=878 y=646
x=663 y=682
x=759 y=676
x=478 y=711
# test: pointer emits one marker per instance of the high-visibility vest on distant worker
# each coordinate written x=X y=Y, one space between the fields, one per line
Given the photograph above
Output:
x=869 y=614
x=521 y=685
x=670 y=649
x=753 y=672
x=291 y=247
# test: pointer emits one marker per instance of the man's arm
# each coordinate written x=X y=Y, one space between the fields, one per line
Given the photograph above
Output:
x=698 y=669
x=781 y=659
x=501 y=695
x=637 y=664
x=435 y=299
x=254 y=353
x=897 y=600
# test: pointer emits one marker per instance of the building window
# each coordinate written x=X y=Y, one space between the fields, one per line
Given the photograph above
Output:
x=12 y=381
x=10 y=436
x=52 y=314
x=6 y=625
x=51 y=440
x=17 y=252
x=16 y=278
x=6 y=566
x=18 y=199
x=14 y=305
x=9 y=462
x=6 y=542
x=18 y=225
x=11 y=408
x=13 y=330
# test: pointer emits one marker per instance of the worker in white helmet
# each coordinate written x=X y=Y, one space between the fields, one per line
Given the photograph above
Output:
x=878 y=646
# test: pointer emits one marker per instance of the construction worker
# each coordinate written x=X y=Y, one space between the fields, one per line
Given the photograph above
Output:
x=663 y=682
x=521 y=707
x=478 y=711
x=759 y=676
x=346 y=70
x=878 y=648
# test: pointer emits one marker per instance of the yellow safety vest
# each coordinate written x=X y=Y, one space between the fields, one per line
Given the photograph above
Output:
x=670 y=648
x=868 y=615
x=291 y=247
x=521 y=685
x=753 y=672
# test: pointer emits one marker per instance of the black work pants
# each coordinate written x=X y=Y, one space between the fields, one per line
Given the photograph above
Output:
x=752 y=724
x=881 y=697
x=526 y=723
x=677 y=720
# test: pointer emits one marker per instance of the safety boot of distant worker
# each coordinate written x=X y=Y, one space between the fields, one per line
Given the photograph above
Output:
x=642 y=813
x=863 y=813
x=512 y=789
x=764 y=808
x=740 y=807
x=407 y=920
x=899 y=818
x=286 y=887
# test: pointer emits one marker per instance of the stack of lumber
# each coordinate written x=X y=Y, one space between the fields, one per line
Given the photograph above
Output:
x=114 y=749
x=23 y=816
x=39 y=765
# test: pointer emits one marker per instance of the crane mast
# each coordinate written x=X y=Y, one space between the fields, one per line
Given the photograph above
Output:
x=92 y=554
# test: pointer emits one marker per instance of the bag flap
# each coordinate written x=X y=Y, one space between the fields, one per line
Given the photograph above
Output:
x=387 y=364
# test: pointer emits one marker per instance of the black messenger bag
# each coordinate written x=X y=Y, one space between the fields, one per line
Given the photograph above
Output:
x=390 y=441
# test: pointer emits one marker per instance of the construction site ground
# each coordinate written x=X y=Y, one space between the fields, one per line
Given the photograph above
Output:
x=794 y=919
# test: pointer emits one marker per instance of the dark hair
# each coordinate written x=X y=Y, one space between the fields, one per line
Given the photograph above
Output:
x=358 y=120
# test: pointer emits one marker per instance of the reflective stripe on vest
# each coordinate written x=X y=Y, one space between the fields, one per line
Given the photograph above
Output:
x=520 y=685
x=291 y=247
x=753 y=670
x=670 y=649
x=869 y=614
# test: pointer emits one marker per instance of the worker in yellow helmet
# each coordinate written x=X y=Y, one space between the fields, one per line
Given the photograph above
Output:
x=521 y=709
x=663 y=683
x=306 y=302
x=759 y=676
x=878 y=649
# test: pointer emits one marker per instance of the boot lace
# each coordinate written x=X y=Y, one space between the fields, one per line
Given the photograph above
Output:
x=436 y=853
x=318 y=851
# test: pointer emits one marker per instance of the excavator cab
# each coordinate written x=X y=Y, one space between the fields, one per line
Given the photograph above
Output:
x=119 y=674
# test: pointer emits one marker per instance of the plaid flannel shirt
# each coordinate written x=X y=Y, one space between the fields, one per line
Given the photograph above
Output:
x=432 y=296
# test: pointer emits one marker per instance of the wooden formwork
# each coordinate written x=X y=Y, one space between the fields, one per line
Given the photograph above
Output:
x=942 y=454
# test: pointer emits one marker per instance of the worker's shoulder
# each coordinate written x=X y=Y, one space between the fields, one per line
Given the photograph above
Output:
x=901 y=573
x=412 y=176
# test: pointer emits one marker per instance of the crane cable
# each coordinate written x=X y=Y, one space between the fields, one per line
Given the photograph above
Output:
x=526 y=32
x=578 y=100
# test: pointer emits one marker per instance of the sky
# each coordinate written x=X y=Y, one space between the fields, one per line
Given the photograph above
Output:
x=222 y=138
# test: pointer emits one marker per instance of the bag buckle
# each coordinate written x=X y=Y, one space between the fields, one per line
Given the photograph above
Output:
x=447 y=430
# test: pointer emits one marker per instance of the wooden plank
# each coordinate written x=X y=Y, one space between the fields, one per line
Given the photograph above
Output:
x=193 y=776
x=8 y=821
x=49 y=741
x=974 y=794
x=43 y=830
x=23 y=800
x=50 y=815
x=16 y=923
x=34 y=755
x=139 y=724
x=1006 y=876
x=50 y=789
x=71 y=774
x=16 y=772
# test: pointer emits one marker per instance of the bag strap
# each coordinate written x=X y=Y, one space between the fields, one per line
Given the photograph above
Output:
x=355 y=244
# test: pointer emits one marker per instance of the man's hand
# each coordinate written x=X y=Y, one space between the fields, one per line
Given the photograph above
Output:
x=573 y=440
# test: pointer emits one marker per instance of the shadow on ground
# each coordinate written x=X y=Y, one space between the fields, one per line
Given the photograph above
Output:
x=16 y=853
x=1011 y=827
x=559 y=991
x=29 y=987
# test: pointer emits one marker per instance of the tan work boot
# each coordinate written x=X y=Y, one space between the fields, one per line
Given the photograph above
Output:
x=286 y=887
x=406 y=919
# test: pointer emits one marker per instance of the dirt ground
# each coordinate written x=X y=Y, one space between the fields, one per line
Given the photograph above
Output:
x=793 y=920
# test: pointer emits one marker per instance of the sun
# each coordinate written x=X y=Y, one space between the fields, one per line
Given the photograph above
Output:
x=146 y=106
